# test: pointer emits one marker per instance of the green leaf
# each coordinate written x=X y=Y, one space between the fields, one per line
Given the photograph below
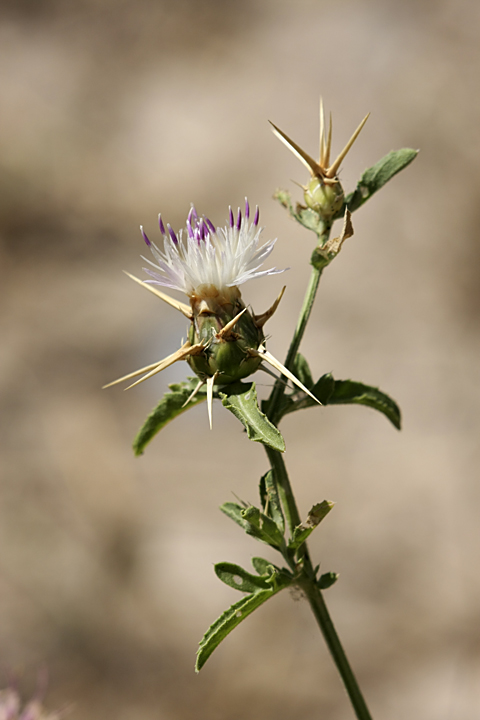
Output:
x=314 y=517
x=350 y=392
x=239 y=579
x=234 y=511
x=377 y=176
x=170 y=406
x=298 y=400
x=302 y=371
x=327 y=580
x=307 y=217
x=271 y=501
x=255 y=523
x=227 y=622
x=345 y=392
x=232 y=617
x=262 y=566
x=264 y=528
x=241 y=400
x=324 y=388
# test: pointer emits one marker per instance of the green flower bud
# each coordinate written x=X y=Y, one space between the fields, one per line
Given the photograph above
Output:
x=325 y=198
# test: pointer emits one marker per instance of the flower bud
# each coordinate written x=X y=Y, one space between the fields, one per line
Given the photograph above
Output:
x=326 y=199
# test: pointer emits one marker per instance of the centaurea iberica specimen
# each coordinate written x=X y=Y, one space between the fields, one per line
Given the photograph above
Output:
x=225 y=340
x=226 y=344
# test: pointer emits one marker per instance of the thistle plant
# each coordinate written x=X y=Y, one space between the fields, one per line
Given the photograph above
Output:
x=226 y=345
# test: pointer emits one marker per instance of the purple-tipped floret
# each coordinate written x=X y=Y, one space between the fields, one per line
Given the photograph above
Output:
x=172 y=235
x=230 y=216
x=257 y=216
x=239 y=219
x=160 y=224
x=247 y=209
x=189 y=229
x=194 y=212
x=211 y=226
x=144 y=234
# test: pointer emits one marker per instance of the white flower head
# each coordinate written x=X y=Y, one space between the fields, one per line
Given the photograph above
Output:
x=203 y=255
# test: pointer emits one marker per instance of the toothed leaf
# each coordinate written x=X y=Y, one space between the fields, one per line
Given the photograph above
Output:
x=241 y=400
x=314 y=517
x=377 y=176
x=348 y=392
x=169 y=407
x=345 y=392
x=232 y=617
x=239 y=579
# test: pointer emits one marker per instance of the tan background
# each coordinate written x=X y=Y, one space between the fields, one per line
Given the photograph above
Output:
x=113 y=111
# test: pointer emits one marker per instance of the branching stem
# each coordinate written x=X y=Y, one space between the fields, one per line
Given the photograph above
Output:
x=307 y=579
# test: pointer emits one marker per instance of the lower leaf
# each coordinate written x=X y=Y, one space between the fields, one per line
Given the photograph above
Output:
x=232 y=617
x=170 y=406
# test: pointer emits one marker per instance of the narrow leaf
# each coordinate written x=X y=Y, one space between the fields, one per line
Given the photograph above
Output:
x=232 y=617
x=262 y=566
x=264 y=527
x=170 y=406
x=350 y=392
x=346 y=392
x=377 y=176
x=234 y=511
x=314 y=517
x=241 y=400
x=239 y=579
x=255 y=523
x=227 y=622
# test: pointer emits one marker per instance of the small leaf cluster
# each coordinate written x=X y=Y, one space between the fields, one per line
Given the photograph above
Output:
x=266 y=524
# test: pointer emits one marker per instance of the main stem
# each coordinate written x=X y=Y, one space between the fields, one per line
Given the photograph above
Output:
x=307 y=578
x=314 y=596
x=279 y=387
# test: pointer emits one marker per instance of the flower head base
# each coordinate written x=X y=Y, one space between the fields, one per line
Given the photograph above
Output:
x=206 y=262
x=323 y=193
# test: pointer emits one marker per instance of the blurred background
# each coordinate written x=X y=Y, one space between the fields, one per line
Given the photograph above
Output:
x=115 y=110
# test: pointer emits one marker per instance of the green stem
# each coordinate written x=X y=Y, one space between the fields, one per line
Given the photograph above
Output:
x=307 y=578
x=275 y=400
x=278 y=391
x=322 y=616
x=307 y=582
x=284 y=488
